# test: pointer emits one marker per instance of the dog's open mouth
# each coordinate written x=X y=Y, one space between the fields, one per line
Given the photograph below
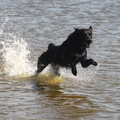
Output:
x=87 y=45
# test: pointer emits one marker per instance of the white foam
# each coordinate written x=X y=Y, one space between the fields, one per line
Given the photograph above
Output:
x=84 y=75
x=14 y=49
x=15 y=57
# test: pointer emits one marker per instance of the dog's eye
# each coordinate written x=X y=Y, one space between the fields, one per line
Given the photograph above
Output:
x=85 y=34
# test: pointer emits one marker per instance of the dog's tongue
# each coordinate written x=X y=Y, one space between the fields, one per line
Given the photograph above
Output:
x=88 y=44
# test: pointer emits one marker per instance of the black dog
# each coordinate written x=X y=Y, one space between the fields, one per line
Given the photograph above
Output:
x=69 y=53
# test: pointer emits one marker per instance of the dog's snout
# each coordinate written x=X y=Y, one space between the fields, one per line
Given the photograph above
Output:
x=89 y=41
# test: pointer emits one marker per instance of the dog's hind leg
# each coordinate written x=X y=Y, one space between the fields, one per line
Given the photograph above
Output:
x=40 y=68
x=42 y=64
x=55 y=69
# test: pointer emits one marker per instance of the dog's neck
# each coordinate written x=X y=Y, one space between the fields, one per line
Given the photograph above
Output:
x=82 y=48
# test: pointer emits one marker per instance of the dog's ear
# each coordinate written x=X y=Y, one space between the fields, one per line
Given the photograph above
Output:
x=90 y=28
x=76 y=29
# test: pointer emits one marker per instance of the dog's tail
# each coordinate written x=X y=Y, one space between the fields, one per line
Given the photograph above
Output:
x=51 y=45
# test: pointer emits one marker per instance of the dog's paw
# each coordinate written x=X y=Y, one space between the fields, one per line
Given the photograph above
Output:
x=74 y=71
x=95 y=63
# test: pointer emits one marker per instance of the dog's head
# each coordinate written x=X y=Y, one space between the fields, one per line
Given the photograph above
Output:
x=84 y=36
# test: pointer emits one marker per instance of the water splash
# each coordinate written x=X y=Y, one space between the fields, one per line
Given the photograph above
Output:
x=15 y=57
x=14 y=50
x=84 y=77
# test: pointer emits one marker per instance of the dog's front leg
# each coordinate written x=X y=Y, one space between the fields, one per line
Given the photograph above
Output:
x=87 y=62
x=74 y=69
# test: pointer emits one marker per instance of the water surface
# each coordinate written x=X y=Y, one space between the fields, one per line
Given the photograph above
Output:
x=26 y=29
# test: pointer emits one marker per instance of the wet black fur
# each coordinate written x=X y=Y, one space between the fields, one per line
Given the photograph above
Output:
x=69 y=53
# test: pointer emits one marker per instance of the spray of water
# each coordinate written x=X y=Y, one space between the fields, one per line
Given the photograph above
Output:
x=85 y=75
x=14 y=51
x=15 y=56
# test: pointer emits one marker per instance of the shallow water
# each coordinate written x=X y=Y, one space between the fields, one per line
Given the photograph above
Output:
x=26 y=29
